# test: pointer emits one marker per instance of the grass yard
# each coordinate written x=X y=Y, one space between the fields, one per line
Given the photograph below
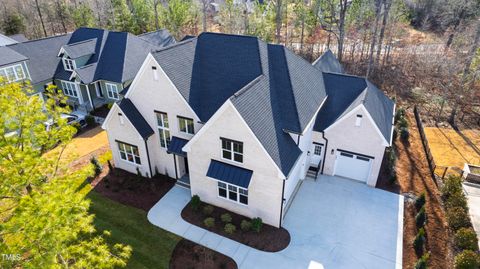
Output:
x=152 y=247
x=450 y=149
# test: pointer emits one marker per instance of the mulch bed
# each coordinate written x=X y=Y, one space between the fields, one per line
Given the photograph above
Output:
x=131 y=189
x=269 y=239
x=414 y=177
x=101 y=112
x=190 y=255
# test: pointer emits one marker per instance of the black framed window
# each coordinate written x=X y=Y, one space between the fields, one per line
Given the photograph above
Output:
x=232 y=150
x=186 y=125
x=129 y=152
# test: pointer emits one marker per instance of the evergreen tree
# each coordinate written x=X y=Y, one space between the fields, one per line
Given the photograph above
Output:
x=123 y=19
x=13 y=24
x=44 y=212
x=143 y=16
x=177 y=17
x=83 y=16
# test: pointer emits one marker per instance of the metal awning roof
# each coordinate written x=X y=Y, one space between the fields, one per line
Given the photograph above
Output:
x=229 y=173
x=176 y=145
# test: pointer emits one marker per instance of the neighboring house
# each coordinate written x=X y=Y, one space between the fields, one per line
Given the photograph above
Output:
x=91 y=66
x=13 y=67
x=242 y=122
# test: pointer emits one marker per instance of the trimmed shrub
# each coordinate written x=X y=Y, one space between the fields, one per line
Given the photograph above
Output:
x=77 y=126
x=96 y=165
x=420 y=201
x=421 y=217
x=394 y=134
x=451 y=184
x=209 y=222
x=399 y=114
x=229 y=228
x=208 y=210
x=226 y=218
x=90 y=120
x=195 y=202
x=257 y=224
x=456 y=199
x=404 y=133
x=419 y=241
x=246 y=225
x=457 y=218
x=109 y=105
x=466 y=238
x=467 y=259
x=422 y=262
x=402 y=123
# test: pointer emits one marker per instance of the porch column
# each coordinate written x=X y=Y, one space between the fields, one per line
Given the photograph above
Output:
x=89 y=97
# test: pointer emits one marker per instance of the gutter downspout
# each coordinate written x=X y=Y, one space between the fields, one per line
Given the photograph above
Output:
x=324 y=152
x=148 y=158
x=281 y=204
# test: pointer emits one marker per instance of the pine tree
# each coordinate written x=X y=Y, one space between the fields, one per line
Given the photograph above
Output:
x=44 y=212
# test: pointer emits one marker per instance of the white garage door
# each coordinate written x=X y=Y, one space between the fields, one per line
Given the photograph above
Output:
x=352 y=166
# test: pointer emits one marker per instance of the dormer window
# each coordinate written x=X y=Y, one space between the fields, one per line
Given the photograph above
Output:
x=358 y=121
x=68 y=64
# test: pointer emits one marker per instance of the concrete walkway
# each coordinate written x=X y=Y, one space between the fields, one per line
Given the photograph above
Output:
x=333 y=223
x=473 y=197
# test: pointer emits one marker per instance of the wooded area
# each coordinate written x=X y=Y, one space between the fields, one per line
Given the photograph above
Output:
x=423 y=51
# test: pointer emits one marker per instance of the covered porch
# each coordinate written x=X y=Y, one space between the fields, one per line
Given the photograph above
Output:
x=180 y=161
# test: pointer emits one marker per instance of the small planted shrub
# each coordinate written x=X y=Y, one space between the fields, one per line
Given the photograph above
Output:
x=208 y=210
x=138 y=172
x=457 y=218
x=419 y=242
x=96 y=165
x=422 y=262
x=109 y=106
x=400 y=114
x=226 y=218
x=90 y=120
x=420 y=201
x=402 y=122
x=257 y=224
x=195 y=202
x=466 y=238
x=421 y=217
x=467 y=259
x=451 y=184
x=245 y=225
x=404 y=133
x=209 y=222
x=456 y=199
x=230 y=228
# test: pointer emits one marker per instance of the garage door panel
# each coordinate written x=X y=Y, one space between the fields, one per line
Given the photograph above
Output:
x=352 y=166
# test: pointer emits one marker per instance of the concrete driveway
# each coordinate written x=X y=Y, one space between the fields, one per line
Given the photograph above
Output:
x=333 y=223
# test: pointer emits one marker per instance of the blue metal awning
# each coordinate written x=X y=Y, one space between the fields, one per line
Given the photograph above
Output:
x=176 y=145
x=229 y=173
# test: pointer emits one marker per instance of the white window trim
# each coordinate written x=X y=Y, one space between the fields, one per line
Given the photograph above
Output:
x=14 y=68
x=163 y=129
x=76 y=88
x=180 y=118
x=125 y=152
x=232 y=152
x=111 y=85
x=238 y=193
x=65 y=66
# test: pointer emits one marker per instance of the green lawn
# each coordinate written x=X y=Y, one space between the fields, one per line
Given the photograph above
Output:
x=151 y=246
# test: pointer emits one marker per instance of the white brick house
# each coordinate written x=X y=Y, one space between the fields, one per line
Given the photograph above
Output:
x=242 y=122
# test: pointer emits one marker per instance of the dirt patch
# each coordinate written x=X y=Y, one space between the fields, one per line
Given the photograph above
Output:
x=131 y=189
x=414 y=176
x=190 y=255
x=269 y=239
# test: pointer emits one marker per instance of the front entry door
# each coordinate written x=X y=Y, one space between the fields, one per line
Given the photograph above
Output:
x=186 y=165
x=316 y=152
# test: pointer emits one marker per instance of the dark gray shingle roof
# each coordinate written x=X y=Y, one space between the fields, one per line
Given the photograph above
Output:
x=161 y=38
x=328 y=63
x=9 y=56
x=345 y=93
x=134 y=116
x=42 y=55
x=19 y=37
x=82 y=48
x=273 y=89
